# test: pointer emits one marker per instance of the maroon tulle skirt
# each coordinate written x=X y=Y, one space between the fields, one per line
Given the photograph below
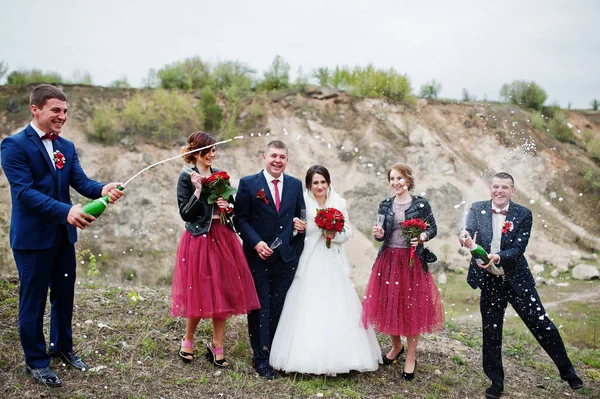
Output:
x=400 y=299
x=212 y=278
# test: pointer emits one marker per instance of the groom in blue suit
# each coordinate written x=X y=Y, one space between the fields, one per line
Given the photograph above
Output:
x=40 y=167
x=266 y=205
x=503 y=228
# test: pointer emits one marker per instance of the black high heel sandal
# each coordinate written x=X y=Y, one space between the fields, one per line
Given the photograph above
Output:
x=211 y=355
x=409 y=376
x=186 y=355
x=387 y=361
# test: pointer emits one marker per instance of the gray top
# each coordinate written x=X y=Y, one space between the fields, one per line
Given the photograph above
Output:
x=397 y=240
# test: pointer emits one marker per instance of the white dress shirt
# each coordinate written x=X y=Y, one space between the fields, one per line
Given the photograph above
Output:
x=47 y=143
x=272 y=186
x=498 y=220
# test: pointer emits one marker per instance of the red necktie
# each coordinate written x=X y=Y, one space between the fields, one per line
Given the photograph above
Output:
x=503 y=212
x=277 y=200
x=49 y=136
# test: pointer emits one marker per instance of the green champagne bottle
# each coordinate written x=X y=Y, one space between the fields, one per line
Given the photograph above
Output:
x=479 y=253
x=97 y=206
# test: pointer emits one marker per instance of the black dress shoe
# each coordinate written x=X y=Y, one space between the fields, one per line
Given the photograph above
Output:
x=70 y=359
x=44 y=375
x=387 y=361
x=265 y=371
x=575 y=382
x=493 y=392
x=410 y=376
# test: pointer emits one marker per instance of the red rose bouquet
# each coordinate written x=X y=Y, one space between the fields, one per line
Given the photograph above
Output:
x=329 y=219
x=412 y=228
x=218 y=186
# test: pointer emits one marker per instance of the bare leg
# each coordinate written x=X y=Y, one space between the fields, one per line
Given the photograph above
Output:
x=411 y=354
x=190 y=328
x=218 y=334
x=396 y=347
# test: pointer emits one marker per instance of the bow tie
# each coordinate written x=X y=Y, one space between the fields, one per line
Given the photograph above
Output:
x=502 y=212
x=49 y=136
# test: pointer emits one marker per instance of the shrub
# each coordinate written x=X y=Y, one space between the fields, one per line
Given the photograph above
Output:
x=25 y=77
x=372 y=82
x=122 y=83
x=467 y=97
x=559 y=129
x=232 y=99
x=551 y=110
x=431 y=89
x=322 y=76
x=105 y=124
x=233 y=73
x=537 y=121
x=213 y=115
x=587 y=135
x=278 y=75
x=528 y=94
x=3 y=69
x=595 y=103
x=160 y=115
x=593 y=149
x=190 y=74
x=81 y=78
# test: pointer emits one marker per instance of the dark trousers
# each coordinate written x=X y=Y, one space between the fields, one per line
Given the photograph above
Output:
x=496 y=294
x=272 y=282
x=52 y=268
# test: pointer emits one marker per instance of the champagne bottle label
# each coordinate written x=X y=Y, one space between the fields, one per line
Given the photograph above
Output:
x=479 y=253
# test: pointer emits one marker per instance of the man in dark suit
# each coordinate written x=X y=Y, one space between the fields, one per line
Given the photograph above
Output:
x=266 y=205
x=40 y=167
x=503 y=228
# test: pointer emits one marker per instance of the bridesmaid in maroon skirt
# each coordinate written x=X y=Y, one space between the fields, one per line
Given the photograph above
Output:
x=211 y=279
x=401 y=299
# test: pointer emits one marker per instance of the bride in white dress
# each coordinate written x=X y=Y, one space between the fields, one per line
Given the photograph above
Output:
x=319 y=331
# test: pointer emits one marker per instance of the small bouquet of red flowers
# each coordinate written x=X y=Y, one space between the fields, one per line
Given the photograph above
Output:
x=329 y=219
x=218 y=185
x=412 y=228
x=59 y=159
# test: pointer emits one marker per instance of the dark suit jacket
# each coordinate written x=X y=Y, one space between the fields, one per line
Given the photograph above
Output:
x=39 y=192
x=257 y=221
x=512 y=244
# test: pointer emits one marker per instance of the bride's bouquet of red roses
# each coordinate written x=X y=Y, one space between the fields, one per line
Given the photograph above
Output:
x=329 y=219
x=412 y=228
x=218 y=185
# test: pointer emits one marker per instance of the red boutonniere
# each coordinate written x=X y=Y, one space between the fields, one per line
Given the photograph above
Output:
x=507 y=226
x=262 y=196
x=59 y=159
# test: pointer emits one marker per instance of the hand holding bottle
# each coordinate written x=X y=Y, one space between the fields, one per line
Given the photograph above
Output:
x=78 y=218
x=113 y=190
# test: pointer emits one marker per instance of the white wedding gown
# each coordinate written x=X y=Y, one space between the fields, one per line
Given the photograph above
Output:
x=320 y=331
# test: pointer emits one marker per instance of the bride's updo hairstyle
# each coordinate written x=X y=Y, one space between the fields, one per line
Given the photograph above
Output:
x=194 y=141
x=316 y=169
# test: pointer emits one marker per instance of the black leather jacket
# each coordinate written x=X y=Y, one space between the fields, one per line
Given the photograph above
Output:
x=196 y=212
x=419 y=208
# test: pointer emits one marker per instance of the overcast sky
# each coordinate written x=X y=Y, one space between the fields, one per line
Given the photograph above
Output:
x=477 y=45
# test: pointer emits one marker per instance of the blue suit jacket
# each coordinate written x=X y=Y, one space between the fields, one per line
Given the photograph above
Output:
x=39 y=192
x=257 y=221
x=512 y=245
